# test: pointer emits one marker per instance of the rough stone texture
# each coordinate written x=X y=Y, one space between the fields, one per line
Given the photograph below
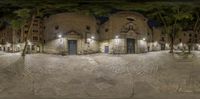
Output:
x=154 y=75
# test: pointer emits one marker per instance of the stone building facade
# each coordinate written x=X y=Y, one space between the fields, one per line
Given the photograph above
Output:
x=159 y=40
x=36 y=36
x=14 y=40
x=9 y=40
x=76 y=33
x=71 y=33
x=186 y=39
x=5 y=39
x=124 y=32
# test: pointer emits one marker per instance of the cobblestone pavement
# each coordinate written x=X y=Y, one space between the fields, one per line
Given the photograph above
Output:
x=154 y=75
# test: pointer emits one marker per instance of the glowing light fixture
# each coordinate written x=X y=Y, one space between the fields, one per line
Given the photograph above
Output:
x=92 y=37
x=89 y=39
x=59 y=36
x=18 y=45
x=181 y=44
x=116 y=37
x=144 y=39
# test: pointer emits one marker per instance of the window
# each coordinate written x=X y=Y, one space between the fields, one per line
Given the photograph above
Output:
x=106 y=30
x=195 y=35
x=130 y=19
x=190 y=40
x=35 y=38
x=18 y=33
x=163 y=39
x=37 y=17
x=196 y=40
x=180 y=40
x=190 y=34
x=33 y=47
x=35 y=30
x=2 y=40
x=26 y=26
x=56 y=27
x=26 y=32
x=130 y=27
x=98 y=31
x=88 y=27
x=35 y=20
x=35 y=24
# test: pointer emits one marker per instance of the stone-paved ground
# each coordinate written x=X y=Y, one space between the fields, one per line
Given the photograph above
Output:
x=140 y=76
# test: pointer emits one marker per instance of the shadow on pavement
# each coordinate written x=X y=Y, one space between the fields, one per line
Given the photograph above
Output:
x=15 y=68
x=10 y=74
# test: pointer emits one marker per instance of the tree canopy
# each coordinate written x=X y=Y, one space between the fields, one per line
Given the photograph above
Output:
x=98 y=8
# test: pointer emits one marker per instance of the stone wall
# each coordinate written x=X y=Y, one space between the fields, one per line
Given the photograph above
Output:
x=120 y=27
x=71 y=26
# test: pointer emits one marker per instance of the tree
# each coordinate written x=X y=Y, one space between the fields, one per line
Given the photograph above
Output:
x=15 y=24
x=169 y=16
x=196 y=26
x=18 y=22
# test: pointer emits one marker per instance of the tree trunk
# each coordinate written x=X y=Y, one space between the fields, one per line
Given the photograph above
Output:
x=13 y=32
x=172 y=45
x=189 y=48
x=27 y=36
x=195 y=30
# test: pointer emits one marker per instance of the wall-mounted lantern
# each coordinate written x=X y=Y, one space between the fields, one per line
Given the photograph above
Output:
x=59 y=36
